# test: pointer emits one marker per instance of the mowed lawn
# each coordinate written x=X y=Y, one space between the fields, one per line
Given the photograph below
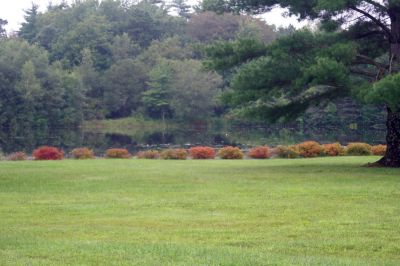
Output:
x=326 y=211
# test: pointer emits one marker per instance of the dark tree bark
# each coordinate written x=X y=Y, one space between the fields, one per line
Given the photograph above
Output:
x=392 y=156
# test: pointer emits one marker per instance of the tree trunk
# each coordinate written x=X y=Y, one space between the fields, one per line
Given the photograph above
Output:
x=392 y=156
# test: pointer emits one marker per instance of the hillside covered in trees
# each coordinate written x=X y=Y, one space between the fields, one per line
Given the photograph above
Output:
x=112 y=59
x=109 y=59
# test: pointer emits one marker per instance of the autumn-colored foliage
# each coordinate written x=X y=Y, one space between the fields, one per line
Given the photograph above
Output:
x=333 y=149
x=174 y=154
x=202 y=152
x=82 y=153
x=262 y=152
x=309 y=149
x=118 y=154
x=150 y=154
x=358 y=149
x=17 y=156
x=230 y=152
x=288 y=152
x=379 y=150
x=48 y=153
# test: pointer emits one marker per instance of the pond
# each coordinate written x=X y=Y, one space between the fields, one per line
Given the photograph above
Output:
x=214 y=134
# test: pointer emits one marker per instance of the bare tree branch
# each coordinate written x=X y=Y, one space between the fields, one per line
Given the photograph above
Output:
x=362 y=73
x=365 y=60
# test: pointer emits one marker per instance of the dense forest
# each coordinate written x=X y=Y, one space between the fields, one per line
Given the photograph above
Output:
x=112 y=59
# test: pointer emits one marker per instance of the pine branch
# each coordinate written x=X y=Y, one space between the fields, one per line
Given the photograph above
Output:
x=373 y=19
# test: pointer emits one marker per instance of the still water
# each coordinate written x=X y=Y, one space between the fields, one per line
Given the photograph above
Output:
x=188 y=135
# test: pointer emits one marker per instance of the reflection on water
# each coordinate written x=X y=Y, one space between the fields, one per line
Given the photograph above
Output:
x=185 y=136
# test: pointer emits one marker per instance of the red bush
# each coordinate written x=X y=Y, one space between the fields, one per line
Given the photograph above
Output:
x=202 y=152
x=333 y=149
x=151 y=154
x=379 y=150
x=48 y=153
x=17 y=156
x=174 y=154
x=118 y=154
x=309 y=149
x=261 y=152
x=230 y=153
x=82 y=153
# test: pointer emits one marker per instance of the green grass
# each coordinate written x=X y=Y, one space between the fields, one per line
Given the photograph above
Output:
x=326 y=211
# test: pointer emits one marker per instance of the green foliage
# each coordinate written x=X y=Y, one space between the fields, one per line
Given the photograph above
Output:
x=157 y=98
x=357 y=149
x=35 y=93
x=385 y=91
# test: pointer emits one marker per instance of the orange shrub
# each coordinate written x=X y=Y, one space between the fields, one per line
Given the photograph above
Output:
x=379 y=150
x=309 y=149
x=174 y=154
x=261 y=152
x=17 y=156
x=151 y=154
x=48 y=153
x=333 y=149
x=358 y=149
x=289 y=152
x=118 y=154
x=230 y=152
x=202 y=153
x=82 y=153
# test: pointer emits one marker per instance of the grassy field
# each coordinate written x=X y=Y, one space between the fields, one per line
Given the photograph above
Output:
x=326 y=211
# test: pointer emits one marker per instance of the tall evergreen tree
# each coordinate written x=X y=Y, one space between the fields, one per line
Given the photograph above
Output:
x=29 y=28
x=357 y=52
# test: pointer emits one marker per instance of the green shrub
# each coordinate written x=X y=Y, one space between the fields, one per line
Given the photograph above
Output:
x=358 y=149
x=288 y=152
x=174 y=154
x=230 y=152
x=150 y=154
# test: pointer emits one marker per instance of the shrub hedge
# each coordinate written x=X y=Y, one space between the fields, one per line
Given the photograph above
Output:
x=118 y=154
x=48 y=153
x=261 y=152
x=232 y=153
x=201 y=152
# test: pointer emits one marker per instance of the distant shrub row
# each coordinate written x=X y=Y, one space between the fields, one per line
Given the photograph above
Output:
x=308 y=149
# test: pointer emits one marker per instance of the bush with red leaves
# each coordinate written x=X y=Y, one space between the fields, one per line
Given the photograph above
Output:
x=118 y=154
x=261 y=152
x=48 y=153
x=309 y=149
x=201 y=152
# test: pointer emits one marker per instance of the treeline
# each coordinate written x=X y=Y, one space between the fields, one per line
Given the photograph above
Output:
x=110 y=59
